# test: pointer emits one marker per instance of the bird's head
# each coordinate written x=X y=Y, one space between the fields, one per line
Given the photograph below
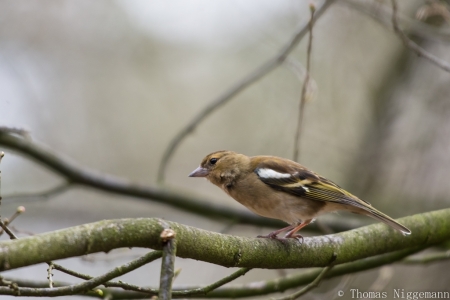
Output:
x=221 y=165
x=215 y=162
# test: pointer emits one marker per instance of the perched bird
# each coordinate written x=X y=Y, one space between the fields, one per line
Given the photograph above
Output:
x=282 y=189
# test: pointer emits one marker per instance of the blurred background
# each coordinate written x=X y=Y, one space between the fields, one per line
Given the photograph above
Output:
x=109 y=84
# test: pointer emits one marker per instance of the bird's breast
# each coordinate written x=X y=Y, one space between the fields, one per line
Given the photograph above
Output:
x=265 y=201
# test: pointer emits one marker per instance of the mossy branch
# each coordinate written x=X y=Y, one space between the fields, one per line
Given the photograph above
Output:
x=230 y=251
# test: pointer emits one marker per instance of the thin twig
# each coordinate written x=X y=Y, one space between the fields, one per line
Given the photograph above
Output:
x=119 y=284
x=50 y=275
x=7 y=230
x=87 y=285
x=250 y=289
x=167 y=264
x=2 y=154
x=241 y=85
x=44 y=195
x=413 y=46
x=383 y=14
x=71 y=272
x=315 y=283
x=305 y=85
x=205 y=290
x=2 y=223
x=426 y=259
x=20 y=210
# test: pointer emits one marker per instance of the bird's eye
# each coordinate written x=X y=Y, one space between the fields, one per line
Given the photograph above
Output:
x=213 y=161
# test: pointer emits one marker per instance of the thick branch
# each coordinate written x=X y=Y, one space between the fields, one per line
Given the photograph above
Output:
x=229 y=251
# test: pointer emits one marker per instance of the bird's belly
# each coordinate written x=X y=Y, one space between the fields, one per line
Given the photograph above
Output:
x=290 y=209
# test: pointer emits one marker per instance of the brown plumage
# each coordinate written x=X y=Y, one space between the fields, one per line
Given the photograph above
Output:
x=282 y=189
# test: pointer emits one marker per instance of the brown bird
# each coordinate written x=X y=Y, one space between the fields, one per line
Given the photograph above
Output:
x=282 y=189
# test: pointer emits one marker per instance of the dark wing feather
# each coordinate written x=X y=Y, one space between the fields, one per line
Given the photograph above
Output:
x=307 y=184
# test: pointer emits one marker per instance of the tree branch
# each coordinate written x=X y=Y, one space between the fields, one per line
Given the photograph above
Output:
x=87 y=285
x=428 y=258
x=167 y=264
x=315 y=283
x=383 y=14
x=306 y=79
x=225 y=250
x=52 y=192
x=413 y=46
x=250 y=289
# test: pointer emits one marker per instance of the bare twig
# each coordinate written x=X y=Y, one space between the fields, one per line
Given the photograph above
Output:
x=413 y=46
x=9 y=220
x=426 y=259
x=8 y=231
x=299 y=71
x=90 y=284
x=205 y=290
x=50 y=275
x=245 y=290
x=304 y=87
x=237 y=88
x=11 y=285
x=3 y=224
x=383 y=14
x=54 y=191
x=315 y=283
x=167 y=264
x=118 y=284
x=70 y=272
x=2 y=154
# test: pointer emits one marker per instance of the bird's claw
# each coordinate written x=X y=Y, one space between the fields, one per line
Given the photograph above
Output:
x=298 y=237
x=270 y=236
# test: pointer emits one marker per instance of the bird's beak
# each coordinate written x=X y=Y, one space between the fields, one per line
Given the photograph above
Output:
x=199 y=172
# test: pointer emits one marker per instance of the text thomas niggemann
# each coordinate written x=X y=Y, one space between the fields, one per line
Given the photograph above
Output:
x=399 y=294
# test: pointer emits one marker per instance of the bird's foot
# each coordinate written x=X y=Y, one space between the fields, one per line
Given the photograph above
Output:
x=297 y=236
x=275 y=236
x=271 y=235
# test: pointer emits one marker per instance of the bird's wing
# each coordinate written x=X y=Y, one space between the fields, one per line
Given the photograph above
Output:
x=295 y=179
x=292 y=178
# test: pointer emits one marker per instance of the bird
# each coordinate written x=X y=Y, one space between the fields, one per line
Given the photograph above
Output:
x=283 y=189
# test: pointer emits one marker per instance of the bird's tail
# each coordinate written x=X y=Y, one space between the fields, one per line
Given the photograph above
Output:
x=378 y=215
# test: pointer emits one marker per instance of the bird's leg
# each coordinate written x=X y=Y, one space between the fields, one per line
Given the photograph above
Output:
x=273 y=234
x=292 y=232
